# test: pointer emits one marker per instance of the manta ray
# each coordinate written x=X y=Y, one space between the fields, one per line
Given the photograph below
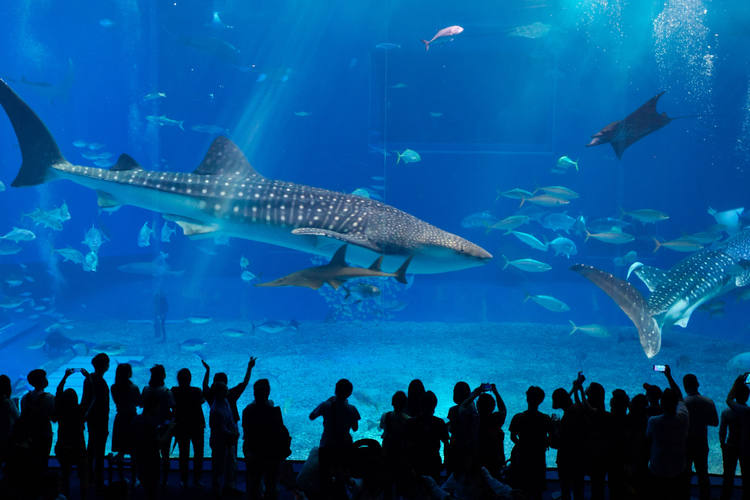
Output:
x=677 y=292
x=637 y=125
x=226 y=196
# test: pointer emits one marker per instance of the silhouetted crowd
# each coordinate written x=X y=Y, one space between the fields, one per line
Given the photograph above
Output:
x=644 y=447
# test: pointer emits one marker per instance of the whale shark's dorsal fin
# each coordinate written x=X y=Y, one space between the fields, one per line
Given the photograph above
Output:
x=651 y=276
x=125 y=162
x=225 y=158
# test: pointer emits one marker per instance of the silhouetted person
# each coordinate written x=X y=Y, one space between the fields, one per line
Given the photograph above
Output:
x=233 y=395
x=161 y=307
x=463 y=426
x=414 y=394
x=127 y=398
x=653 y=394
x=393 y=424
x=339 y=418
x=189 y=425
x=96 y=398
x=597 y=440
x=639 y=448
x=166 y=412
x=9 y=415
x=702 y=412
x=734 y=397
x=667 y=434
x=70 y=448
x=37 y=412
x=568 y=437
x=266 y=442
x=731 y=437
x=490 y=442
x=620 y=442
x=149 y=435
x=224 y=433
x=529 y=432
x=424 y=434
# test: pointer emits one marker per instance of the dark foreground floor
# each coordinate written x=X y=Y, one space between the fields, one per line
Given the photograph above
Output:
x=174 y=490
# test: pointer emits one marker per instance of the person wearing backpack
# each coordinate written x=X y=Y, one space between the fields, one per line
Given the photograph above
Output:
x=266 y=442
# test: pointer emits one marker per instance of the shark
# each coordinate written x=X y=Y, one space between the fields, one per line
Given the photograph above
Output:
x=336 y=272
x=226 y=196
x=677 y=292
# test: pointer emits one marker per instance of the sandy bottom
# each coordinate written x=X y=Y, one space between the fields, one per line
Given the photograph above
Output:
x=381 y=358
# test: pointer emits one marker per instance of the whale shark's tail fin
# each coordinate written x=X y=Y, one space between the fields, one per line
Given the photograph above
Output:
x=631 y=302
x=38 y=148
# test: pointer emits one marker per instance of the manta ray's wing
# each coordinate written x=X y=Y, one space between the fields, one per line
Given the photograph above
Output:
x=638 y=125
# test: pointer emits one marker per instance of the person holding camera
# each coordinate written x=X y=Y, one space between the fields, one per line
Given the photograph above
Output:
x=70 y=449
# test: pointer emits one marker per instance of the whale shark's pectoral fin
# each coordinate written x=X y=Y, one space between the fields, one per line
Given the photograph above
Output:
x=194 y=229
x=354 y=239
x=631 y=302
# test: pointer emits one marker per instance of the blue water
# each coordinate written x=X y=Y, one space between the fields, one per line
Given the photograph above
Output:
x=304 y=90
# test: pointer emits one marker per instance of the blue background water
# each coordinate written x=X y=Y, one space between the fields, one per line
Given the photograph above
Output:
x=511 y=105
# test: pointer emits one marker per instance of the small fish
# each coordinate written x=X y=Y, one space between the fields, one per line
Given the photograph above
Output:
x=17 y=234
x=509 y=223
x=166 y=232
x=514 y=194
x=13 y=282
x=37 y=344
x=592 y=330
x=387 y=46
x=378 y=187
x=273 y=326
x=361 y=291
x=408 y=155
x=106 y=23
x=613 y=237
x=105 y=155
x=103 y=163
x=302 y=113
x=93 y=239
x=144 y=235
x=209 y=129
x=560 y=192
x=704 y=237
x=558 y=222
x=728 y=219
x=247 y=276
x=626 y=259
x=12 y=302
x=548 y=302
x=450 y=31
x=530 y=240
x=111 y=348
x=244 y=262
x=198 y=320
x=80 y=144
x=436 y=114
x=546 y=200
x=532 y=31
x=399 y=85
x=377 y=178
x=234 y=333
x=563 y=246
x=51 y=219
x=528 y=265
x=678 y=245
x=564 y=163
x=479 y=219
x=96 y=146
x=8 y=247
x=151 y=96
x=646 y=215
x=164 y=121
x=192 y=345
x=90 y=262
x=2 y=186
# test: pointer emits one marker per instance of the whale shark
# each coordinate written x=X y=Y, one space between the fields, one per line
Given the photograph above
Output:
x=226 y=196
x=678 y=291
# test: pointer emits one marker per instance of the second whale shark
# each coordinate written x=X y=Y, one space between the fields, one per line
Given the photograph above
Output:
x=225 y=195
x=677 y=292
